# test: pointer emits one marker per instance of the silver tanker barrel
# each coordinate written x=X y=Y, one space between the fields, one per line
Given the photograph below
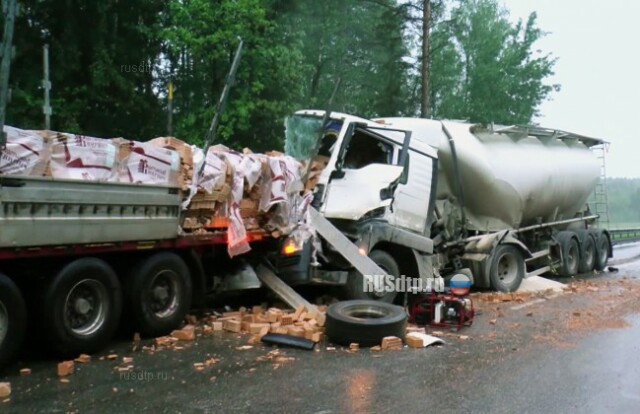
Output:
x=512 y=179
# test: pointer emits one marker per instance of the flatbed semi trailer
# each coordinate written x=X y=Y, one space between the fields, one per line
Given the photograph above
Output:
x=78 y=257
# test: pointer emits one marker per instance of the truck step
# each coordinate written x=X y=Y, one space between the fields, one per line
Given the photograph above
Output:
x=539 y=271
x=538 y=254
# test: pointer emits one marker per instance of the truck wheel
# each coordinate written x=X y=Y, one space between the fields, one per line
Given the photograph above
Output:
x=587 y=251
x=570 y=254
x=364 y=322
x=82 y=307
x=603 y=246
x=506 y=269
x=355 y=287
x=159 y=294
x=13 y=319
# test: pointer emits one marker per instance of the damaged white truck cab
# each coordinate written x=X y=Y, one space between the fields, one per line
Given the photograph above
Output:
x=425 y=198
x=377 y=188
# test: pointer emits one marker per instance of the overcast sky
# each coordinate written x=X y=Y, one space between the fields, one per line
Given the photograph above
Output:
x=597 y=44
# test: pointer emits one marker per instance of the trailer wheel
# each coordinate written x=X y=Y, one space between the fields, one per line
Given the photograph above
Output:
x=364 y=322
x=355 y=287
x=603 y=246
x=587 y=251
x=13 y=319
x=506 y=269
x=159 y=294
x=570 y=254
x=82 y=307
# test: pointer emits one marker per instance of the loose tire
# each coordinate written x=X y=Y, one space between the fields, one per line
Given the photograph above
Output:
x=587 y=251
x=355 y=282
x=364 y=322
x=13 y=319
x=570 y=254
x=602 y=247
x=506 y=268
x=82 y=307
x=159 y=294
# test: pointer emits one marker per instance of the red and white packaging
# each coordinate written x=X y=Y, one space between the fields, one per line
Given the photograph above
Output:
x=78 y=157
x=144 y=163
x=26 y=153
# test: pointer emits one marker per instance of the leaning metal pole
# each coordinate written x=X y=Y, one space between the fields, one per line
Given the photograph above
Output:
x=9 y=8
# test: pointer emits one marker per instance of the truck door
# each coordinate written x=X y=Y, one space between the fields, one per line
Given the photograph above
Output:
x=369 y=165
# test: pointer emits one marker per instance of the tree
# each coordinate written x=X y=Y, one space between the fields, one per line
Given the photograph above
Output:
x=501 y=78
x=94 y=48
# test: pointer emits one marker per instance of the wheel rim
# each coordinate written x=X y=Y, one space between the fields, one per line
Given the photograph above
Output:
x=604 y=251
x=589 y=255
x=378 y=282
x=163 y=293
x=365 y=312
x=572 y=259
x=4 y=322
x=507 y=268
x=86 y=307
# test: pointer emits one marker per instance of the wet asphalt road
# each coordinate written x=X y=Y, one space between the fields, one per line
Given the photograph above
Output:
x=501 y=367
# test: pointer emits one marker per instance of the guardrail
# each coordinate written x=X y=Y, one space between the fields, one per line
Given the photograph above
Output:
x=624 y=235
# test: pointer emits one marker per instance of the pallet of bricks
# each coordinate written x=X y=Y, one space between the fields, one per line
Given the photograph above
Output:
x=77 y=157
x=210 y=208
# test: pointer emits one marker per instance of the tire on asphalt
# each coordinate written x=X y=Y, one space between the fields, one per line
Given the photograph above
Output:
x=13 y=319
x=364 y=322
x=506 y=268
x=82 y=307
x=158 y=293
x=570 y=254
x=602 y=248
x=355 y=282
x=587 y=251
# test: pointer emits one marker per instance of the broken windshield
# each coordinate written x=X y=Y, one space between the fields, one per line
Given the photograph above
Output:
x=302 y=133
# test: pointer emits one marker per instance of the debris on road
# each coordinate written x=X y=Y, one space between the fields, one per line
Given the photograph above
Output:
x=5 y=389
x=391 y=343
x=421 y=340
x=83 y=359
x=185 y=334
x=24 y=372
x=66 y=368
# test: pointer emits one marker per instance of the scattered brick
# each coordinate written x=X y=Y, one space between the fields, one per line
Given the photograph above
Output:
x=65 y=368
x=414 y=341
x=83 y=359
x=25 y=372
x=185 y=334
x=296 y=331
x=287 y=319
x=391 y=343
x=232 y=325
x=5 y=389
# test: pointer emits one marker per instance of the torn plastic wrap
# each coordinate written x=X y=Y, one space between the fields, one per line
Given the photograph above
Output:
x=78 y=157
x=26 y=153
x=197 y=160
x=237 y=234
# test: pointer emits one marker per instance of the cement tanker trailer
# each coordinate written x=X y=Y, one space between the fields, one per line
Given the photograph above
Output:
x=426 y=198
x=505 y=194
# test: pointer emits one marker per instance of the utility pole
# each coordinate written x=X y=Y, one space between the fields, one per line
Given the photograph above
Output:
x=425 y=102
x=46 y=85
x=9 y=8
x=170 y=116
